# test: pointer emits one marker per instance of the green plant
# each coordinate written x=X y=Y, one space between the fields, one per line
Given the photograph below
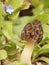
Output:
x=11 y=26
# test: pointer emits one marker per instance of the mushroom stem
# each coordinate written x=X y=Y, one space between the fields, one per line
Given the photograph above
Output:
x=27 y=52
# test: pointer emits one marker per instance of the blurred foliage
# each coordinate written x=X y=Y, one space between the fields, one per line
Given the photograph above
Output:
x=3 y=54
x=12 y=25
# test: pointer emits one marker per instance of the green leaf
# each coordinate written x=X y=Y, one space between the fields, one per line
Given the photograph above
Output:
x=42 y=17
x=7 y=29
x=1 y=12
x=40 y=50
x=36 y=2
x=38 y=9
x=3 y=54
x=1 y=8
x=15 y=3
x=46 y=31
x=25 y=5
x=11 y=48
x=44 y=49
x=17 y=63
x=14 y=16
x=20 y=23
x=2 y=42
x=46 y=3
x=46 y=39
x=45 y=59
x=9 y=34
x=35 y=51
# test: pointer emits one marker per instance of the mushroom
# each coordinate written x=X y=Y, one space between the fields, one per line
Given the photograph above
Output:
x=32 y=33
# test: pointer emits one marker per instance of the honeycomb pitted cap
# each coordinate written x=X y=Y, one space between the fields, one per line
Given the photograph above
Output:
x=33 y=31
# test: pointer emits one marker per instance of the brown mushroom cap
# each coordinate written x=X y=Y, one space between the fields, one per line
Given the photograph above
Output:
x=32 y=31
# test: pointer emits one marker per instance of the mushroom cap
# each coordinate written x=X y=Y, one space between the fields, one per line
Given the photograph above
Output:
x=32 y=31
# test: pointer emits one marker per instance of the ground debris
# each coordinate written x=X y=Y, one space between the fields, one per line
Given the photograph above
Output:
x=40 y=63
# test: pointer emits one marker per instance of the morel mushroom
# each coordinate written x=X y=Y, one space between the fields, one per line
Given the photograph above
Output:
x=32 y=33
